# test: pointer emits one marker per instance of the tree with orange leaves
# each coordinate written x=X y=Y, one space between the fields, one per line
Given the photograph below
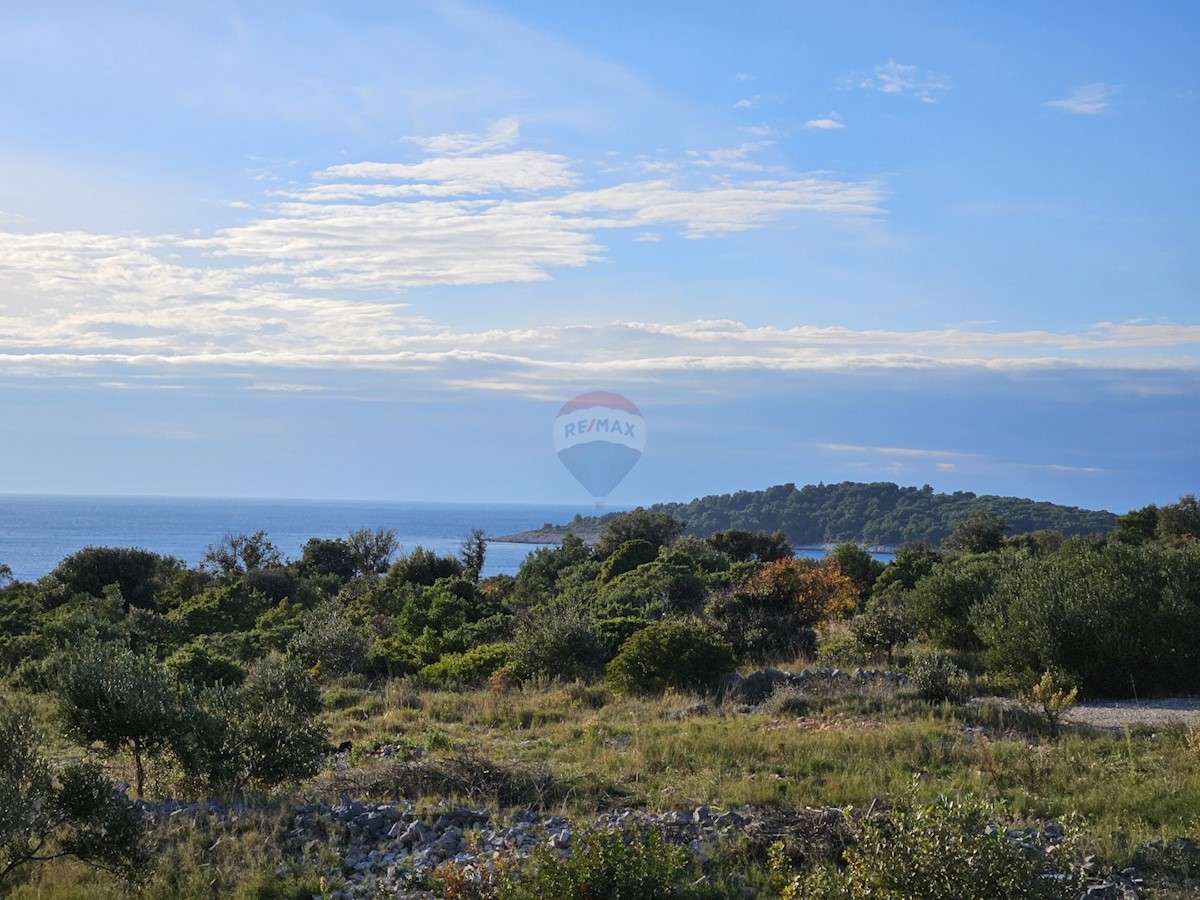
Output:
x=808 y=591
x=773 y=613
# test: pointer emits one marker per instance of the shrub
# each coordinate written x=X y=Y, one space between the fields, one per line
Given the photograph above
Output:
x=261 y=734
x=1051 y=698
x=772 y=613
x=196 y=665
x=329 y=638
x=669 y=654
x=617 y=630
x=882 y=627
x=946 y=850
x=937 y=679
x=653 y=590
x=940 y=605
x=75 y=812
x=470 y=668
x=1116 y=621
x=556 y=642
x=614 y=864
x=628 y=557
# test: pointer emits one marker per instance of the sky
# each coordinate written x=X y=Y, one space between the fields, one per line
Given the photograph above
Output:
x=367 y=250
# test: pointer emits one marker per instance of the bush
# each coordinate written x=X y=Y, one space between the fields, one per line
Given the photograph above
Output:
x=557 y=642
x=470 y=668
x=882 y=627
x=941 y=603
x=946 y=850
x=669 y=654
x=1116 y=621
x=75 y=812
x=261 y=734
x=937 y=679
x=330 y=639
x=617 y=630
x=194 y=664
x=613 y=864
x=628 y=557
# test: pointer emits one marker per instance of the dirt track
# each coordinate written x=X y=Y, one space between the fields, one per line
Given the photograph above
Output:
x=1118 y=713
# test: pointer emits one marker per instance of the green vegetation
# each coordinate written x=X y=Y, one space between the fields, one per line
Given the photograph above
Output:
x=593 y=679
x=878 y=514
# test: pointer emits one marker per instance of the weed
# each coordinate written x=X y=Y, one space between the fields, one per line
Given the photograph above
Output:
x=1052 y=698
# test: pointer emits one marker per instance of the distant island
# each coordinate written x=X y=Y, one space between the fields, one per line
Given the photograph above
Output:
x=879 y=514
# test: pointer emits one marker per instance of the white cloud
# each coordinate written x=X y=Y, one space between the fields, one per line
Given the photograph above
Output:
x=898 y=78
x=503 y=216
x=523 y=171
x=830 y=122
x=84 y=302
x=891 y=451
x=746 y=103
x=1088 y=100
x=503 y=134
x=310 y=283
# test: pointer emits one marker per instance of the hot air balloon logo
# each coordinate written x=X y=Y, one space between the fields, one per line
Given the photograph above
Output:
x=599 y=437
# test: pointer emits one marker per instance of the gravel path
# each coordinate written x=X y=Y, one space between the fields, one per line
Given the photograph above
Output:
x=1118 y=713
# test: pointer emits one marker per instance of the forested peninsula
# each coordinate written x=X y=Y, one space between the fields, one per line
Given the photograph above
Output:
x=879 y=514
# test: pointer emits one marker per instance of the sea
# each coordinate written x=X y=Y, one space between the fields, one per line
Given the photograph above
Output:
x=38 y=530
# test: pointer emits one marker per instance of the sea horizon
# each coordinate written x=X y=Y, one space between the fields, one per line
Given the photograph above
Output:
x=38 y=530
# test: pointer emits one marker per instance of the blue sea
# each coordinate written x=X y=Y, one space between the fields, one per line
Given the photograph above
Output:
x=37 y=531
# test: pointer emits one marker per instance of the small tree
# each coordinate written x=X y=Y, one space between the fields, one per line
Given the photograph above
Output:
x=557 y=642
x=140 y=574
x=981 y=532
x=114 y=697
x=74 y=812
x=372 y=549
x=860 y=565
x=641 y=524
x=260 y=734
x=1179 y=522
x=328 y=637
x=474 y=553
x=237 y=554
x=325 y=556
x=747 y=546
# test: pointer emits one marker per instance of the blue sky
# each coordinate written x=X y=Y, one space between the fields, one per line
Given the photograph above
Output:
x=367 y=250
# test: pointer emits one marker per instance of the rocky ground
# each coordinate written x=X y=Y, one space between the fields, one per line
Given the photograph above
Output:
x=392 y=849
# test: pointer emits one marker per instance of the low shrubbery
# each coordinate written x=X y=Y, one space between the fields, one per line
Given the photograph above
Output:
x=944 y=850
x=623 y=863
x=470 y=668
x=669 y=655
x=937 y=679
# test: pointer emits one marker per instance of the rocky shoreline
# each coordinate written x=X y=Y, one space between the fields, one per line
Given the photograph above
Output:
x=546 y=536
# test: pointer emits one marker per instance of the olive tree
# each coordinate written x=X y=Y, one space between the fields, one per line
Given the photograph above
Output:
x=74 y=812
x=112 y=696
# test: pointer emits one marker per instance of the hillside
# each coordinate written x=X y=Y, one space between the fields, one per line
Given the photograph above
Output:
x=879 y=514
